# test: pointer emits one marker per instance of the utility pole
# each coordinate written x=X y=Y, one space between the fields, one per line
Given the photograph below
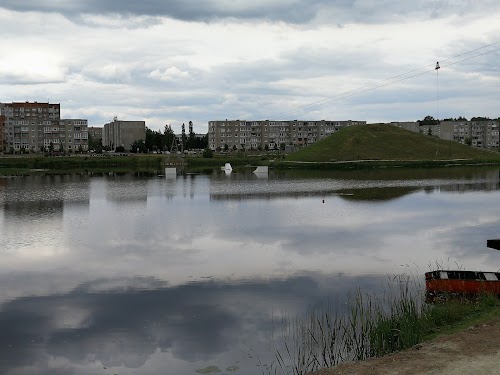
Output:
x=437 y=108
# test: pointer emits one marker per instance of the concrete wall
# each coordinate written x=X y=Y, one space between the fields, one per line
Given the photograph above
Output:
x=123 y=133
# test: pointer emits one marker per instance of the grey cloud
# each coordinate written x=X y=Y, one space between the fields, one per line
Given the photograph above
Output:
x=299 y=11
x=189 y=10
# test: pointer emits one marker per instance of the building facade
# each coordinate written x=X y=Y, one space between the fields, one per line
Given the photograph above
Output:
x=95 y=132
x=477 y=133
x=240 y=134
x=123 y=133
x=38 y=127
x=2 y=132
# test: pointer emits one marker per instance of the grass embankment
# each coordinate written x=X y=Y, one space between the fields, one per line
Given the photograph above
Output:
x=374 y=326
x=28 y=164
x=387 y=144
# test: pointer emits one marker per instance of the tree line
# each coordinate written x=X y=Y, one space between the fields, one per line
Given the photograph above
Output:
x=430 y=120
x=158 y=141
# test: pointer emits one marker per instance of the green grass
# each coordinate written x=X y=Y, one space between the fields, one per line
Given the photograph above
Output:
x=386 y=142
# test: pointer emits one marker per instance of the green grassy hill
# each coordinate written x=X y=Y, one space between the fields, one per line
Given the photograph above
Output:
x=386 y=142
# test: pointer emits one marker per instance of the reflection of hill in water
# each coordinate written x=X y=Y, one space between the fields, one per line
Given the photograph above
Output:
x=363 y=186
x=389 y=174
x=272 y=195
x=376 y=194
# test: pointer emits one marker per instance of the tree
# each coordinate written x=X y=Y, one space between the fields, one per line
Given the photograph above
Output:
x=138 y=146
x=208 y=153
x=468 y=141
x=95 y=143
x=183 y=139
x=429 y=132
x=168 y=137
x=282 y=146
x=226 y=147
x=191 y=142
x=428 y=120
x=235 y=147
x=119 y=149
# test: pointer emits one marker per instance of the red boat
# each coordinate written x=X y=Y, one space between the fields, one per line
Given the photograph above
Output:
x=448 y=283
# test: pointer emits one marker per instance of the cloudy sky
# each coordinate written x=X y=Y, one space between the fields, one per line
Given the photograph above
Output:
x=172 y=61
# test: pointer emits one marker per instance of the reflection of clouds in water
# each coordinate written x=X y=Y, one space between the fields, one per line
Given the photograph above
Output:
x=125 y=327
x=178 y=233
x=468 y=243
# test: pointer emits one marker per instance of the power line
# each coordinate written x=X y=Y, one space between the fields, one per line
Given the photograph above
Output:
x=384 y=82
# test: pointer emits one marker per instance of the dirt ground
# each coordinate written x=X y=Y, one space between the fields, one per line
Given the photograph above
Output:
x=473 y=351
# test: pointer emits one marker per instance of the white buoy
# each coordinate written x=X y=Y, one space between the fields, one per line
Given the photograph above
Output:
x=227 y=167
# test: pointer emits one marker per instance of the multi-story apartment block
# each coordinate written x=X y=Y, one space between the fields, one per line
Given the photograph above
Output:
x=2 y=132
x=95 y=132
x=482 y=133
x=123 y=133
x=478 y=133
x=38 y=127
x=240 y=134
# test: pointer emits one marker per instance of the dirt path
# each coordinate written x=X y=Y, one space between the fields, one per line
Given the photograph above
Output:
x=473 y=351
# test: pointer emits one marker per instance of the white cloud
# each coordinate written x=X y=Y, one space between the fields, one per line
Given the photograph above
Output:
x=170 y=74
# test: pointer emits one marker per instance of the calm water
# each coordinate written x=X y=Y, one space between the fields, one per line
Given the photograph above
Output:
x=123 y=274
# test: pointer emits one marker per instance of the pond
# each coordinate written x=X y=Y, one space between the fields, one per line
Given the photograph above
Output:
x=192 y=273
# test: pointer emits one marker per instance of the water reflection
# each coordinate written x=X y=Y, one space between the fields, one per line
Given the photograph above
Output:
x=144 y=274
x=135 y=320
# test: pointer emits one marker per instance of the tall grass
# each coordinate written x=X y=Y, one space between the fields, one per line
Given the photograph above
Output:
x=369 y=326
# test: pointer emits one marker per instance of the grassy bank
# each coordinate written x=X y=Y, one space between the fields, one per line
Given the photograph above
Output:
x=373 y=326
x=28 y=164
x=377 y=164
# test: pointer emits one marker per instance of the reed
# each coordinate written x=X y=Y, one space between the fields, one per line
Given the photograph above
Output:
x=371 y=326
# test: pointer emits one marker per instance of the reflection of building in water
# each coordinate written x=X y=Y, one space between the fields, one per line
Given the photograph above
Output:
x=473 y=186
x=126 y=189
x=33 y=209
x=489 y=181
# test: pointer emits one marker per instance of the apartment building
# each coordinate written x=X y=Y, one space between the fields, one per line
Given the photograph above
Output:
x=95 y=132
x=2 y=132
x=38 y=127
x=242 y=134
x=478 y=133
x=123 y=133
